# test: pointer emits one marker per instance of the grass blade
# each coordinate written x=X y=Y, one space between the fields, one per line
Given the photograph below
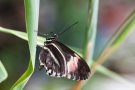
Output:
x=116 y=40
x=3 y=72
x=22 y=35
x=89 y=37
x=121 y=33
x=24 y=78
x=31 y=13
x=90 y=32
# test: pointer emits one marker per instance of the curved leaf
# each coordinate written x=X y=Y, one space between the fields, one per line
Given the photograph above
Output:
x=31 y=13
x=3 y=72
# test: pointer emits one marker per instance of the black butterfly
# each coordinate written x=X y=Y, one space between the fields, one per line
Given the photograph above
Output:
x=61 y=61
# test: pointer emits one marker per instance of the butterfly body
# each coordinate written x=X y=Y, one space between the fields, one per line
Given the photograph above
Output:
x=61 y=61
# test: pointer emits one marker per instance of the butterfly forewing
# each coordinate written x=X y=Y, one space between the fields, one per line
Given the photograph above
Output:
x=61 y=61
x=52 y=62
x=77 y=68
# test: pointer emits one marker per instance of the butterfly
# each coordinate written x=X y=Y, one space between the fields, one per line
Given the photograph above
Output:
x=60 y=61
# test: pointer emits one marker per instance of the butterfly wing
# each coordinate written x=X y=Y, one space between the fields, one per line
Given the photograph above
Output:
x=77 y=68
x=51 y=59
x=61 y=61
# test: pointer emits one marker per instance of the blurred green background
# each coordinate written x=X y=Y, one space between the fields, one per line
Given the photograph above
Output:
x=14 y=52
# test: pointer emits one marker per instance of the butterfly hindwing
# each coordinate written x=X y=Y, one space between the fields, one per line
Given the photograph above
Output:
x=77 y=68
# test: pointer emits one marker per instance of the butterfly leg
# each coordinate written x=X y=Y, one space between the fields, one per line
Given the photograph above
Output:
x=40 y=67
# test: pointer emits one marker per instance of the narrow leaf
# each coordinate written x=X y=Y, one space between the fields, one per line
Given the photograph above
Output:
x=90 y=32
x=31 y=13
x=22 y=35
x=89 y=40
x=3 y=72
x=119 y=36
x=116 y=40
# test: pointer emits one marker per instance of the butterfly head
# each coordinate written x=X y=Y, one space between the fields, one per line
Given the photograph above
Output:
x=55 y=35
x=51 y=39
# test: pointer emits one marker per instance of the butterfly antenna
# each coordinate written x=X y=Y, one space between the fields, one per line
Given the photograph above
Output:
x=66 y=24
x=67 y=28
x=41 y=33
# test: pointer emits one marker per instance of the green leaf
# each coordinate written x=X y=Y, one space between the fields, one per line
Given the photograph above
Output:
x=31 y=13
x=3 y=72
x=24 y=78
x=115 y=41
x=119 y=36
x=22 y=35
x=90 y=32
x=89 y=39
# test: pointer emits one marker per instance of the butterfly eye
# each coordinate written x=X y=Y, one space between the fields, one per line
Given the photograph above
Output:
x=55 y=35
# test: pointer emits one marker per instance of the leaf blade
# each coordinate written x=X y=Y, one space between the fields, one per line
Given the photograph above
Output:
x=119 y=36
x=90 y=32
x=31 y=13
x=3 y=73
